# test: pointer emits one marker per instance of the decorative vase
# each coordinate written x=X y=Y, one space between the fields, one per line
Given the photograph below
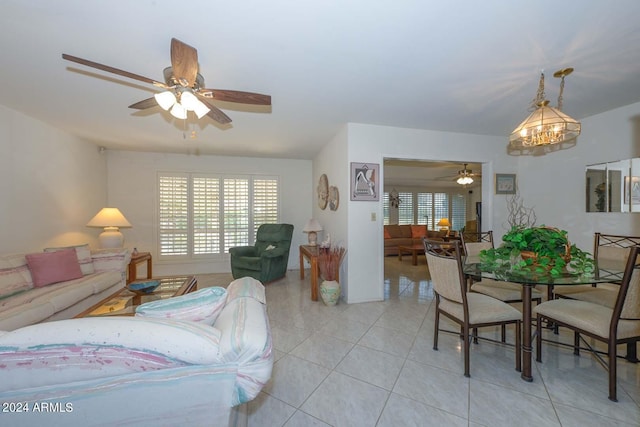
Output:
x=330 y=292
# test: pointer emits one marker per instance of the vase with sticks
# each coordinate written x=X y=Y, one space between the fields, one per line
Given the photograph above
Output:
x=329 y=261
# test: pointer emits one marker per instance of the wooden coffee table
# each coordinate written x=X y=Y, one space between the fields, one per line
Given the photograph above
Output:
x=414 y=250
x=124 y=302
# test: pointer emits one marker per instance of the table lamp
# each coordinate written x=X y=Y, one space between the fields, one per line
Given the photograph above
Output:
x=444 y=223
x=110 y=219
x=312 y=228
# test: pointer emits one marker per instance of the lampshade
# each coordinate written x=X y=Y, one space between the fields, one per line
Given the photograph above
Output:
x=312 y=227
x=165 y=99
x=110 y=219
x=546 y=126
x=444 y=222
x=178 y=111
x=200 y=109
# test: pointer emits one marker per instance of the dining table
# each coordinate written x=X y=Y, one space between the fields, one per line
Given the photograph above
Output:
x=529 y=278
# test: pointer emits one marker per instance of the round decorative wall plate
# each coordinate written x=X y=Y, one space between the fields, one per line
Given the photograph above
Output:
x=334 y=198
x=323 y=191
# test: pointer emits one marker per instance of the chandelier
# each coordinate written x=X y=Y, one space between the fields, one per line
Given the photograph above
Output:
x=546 y=126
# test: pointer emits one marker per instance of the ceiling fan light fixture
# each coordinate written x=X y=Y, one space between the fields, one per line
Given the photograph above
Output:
x=178 y=111
x=200 y=109
x=464 y=180
x=191 y=103
x=165 y=99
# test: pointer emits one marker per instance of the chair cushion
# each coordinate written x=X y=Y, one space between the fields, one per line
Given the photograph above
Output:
x=602 y=296
x=503 y=291
x=590 y=317
x=247 y=263
x=482 y=309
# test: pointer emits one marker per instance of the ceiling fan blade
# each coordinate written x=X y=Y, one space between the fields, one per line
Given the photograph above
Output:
x=215 y=113
x=236 y=96
x=184 y=62
x=144 y=104
x=112 y=70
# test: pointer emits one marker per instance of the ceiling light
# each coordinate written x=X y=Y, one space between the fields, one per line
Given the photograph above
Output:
x=464 y=180
x=178 y=111
x=546 y=126
x=165 y=99
x=188 y=100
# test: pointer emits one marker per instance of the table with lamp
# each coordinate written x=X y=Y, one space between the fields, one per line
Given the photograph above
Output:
x=310 y=252
x=111 y=220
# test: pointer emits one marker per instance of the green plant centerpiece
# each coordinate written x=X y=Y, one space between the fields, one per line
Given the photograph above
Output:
x=540 y=250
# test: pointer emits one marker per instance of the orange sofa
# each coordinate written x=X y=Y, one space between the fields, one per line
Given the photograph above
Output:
x=406 y=235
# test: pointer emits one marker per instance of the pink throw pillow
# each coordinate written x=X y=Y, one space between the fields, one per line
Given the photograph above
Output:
x=53 y=267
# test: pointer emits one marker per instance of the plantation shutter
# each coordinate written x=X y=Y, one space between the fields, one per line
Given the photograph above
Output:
x=236 y=212
x=173 y=215
x=265 y=203
x=206 y=215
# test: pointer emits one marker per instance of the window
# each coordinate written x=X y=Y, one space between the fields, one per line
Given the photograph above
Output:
x=405 y=210
x=204 y=215
x=427 y=208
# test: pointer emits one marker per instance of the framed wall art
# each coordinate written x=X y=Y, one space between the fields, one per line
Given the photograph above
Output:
x=505 y=183
x=365 y=185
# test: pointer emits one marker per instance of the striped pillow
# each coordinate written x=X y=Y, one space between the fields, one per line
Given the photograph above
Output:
x=84 y=257
x=14 y=275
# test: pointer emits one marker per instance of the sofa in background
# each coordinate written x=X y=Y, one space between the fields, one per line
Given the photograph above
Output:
x=58 y=283
x=189 y=361
x=406 y=235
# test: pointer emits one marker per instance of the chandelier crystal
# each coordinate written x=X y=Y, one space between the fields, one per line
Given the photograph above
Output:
x=546 y=126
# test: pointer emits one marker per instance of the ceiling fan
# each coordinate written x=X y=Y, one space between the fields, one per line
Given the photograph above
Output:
x=184 y=86
x=464 y=176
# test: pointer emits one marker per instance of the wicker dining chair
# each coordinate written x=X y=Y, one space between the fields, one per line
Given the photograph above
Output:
x=470 y=310
x=613 y=326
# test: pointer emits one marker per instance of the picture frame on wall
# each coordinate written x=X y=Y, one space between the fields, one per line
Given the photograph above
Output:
x=632 y=189
x=365 y=181
x=506 y=183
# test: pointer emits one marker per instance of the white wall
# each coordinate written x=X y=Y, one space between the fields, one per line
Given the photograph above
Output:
x=371 y=144
x=330 y=161
x=132 y=188
x=51 y=185
x=554 y=184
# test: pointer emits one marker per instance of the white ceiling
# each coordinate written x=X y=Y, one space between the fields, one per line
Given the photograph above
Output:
x=465 y=66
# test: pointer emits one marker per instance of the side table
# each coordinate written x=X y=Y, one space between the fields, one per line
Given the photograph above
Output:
x=311 y=254
x=133 y=264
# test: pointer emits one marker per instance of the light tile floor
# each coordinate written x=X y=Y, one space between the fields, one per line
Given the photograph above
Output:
x=372 y=364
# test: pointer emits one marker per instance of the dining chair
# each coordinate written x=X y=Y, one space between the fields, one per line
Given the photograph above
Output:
x=613 y=326
x=608 y=250
x=470 y=310
x=473 y=243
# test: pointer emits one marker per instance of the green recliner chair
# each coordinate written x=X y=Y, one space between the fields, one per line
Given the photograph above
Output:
x=267 y=260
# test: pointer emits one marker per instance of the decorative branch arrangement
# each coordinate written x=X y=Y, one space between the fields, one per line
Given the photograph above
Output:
x=519 y=215
x=329 y=261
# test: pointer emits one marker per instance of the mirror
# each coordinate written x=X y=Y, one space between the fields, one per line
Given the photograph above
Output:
x=613 y=186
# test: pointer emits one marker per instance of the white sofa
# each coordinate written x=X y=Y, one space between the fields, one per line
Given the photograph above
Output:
x=140 y=371
x=21 y=303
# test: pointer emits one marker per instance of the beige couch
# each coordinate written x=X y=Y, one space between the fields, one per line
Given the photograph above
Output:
x=25 y=300
x=406 y=235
